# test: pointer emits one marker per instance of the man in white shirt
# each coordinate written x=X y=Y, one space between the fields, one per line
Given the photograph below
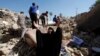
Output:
x=38 y=14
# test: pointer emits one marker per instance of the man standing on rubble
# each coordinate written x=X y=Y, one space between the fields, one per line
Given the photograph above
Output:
x=33 y=15
x=21 y=22
x=44 y=18
x=38 y=14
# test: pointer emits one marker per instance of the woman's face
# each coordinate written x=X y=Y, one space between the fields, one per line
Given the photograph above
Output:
x=50 y=31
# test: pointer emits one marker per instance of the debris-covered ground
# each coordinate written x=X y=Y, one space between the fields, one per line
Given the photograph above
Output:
x=12 y=45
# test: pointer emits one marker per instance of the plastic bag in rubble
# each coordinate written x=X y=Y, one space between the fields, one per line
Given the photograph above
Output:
x=11 y=53
x=77 y=40
x=63 y=52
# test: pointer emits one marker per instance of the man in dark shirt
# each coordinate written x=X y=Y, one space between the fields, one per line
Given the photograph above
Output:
x=44 y=17
x=33 y=14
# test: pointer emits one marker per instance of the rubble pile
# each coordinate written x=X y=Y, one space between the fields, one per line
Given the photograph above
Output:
x=13 y=45
x=10 y=42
